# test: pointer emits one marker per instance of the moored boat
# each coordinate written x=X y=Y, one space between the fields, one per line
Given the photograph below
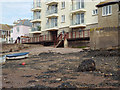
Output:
x=17 y=56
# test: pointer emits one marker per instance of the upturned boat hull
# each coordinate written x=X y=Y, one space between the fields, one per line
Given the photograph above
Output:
x=17 y=56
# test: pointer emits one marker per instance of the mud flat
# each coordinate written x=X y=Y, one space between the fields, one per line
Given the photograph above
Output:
x=47 y=67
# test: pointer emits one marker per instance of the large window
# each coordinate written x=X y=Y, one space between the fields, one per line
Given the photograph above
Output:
x=38 y=3
x=37 y=15
x=63 y=4
x=79 y=4
x=79 y=19
x=63 y=18
x=106 y=10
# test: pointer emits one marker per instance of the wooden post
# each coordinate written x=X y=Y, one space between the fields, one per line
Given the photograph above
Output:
x=83 y=33
x=45 y=37
x=75 y=34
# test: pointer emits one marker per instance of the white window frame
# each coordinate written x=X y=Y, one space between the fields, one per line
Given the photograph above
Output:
x=63 y=18
x=106 y=10
x=79 y=18
x=95 y=12
x=63 y=4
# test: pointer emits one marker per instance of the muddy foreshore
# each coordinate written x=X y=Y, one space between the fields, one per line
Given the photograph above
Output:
x=56 y=70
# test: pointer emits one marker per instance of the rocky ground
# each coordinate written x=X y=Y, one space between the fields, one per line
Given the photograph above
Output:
x=47 y=67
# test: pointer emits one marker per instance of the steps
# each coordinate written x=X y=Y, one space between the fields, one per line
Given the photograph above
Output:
x=59 y=40
x=58 y=43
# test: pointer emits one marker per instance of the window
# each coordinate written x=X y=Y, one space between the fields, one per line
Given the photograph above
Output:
x=37 y=15
x=82 y=18
x=63 y=4
x=106 y=10
x=95 y=12
x=3 y=32
x=11 y=31
x=79 y=4
x=17 y=29
x=38 y=3
x=119 y=6
x=79 y=19
x=63 y=18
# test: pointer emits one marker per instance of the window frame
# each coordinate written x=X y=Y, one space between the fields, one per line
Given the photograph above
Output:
x=62 y=18
x=63 y=4
x=107 y=10
x=95 y=12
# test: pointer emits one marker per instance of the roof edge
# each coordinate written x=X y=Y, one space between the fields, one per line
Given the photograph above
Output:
x=107 y=3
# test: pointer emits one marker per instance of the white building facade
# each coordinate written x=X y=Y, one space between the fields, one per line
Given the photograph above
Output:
x=22 y=28
x=54 y=16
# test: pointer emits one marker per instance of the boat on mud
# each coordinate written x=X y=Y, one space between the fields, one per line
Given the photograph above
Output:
x=16 y=56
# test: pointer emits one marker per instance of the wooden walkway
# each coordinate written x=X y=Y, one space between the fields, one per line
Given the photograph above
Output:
x=47 y=38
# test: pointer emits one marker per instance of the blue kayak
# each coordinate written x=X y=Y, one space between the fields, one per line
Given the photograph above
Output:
x=17 y=54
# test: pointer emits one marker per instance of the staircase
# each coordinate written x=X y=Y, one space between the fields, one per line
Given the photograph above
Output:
x=59 y=40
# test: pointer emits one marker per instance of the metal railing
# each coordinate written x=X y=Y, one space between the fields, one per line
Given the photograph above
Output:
x=35 y=29
x=48 y=37
x=52 y=25
x=77 y=22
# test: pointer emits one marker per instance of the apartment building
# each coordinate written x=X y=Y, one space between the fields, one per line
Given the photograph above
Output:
x=55 y=16
x=109 y=13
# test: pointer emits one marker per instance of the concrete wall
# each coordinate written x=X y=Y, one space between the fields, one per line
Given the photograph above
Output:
x=78 y=43
x=103 y=39
x=109 y=20
x=12 y=47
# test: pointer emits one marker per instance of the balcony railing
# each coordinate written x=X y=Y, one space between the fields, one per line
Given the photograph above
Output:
x=52 y=25
x=34 y=18
x=36 y=29
x=49 y=12
x=77 y=22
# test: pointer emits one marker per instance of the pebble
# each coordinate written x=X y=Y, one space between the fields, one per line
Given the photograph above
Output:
x=58 y=79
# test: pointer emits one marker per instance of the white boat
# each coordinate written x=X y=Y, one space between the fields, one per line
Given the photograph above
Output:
x=2 y=59
x=17 y=56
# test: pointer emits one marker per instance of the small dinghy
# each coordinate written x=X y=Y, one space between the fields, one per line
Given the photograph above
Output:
x=2 y=59
x=17 y=56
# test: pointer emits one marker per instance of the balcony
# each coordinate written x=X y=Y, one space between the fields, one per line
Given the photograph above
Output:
x=34 y=20
x=36 y=7
x=52 y=27
x=77 y=24
x=52 y=13
x=51 y=2
x=36 y=30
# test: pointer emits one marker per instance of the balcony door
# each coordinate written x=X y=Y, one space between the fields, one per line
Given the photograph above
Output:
x=54 y=22
x=78 y=18
x=54 y=8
